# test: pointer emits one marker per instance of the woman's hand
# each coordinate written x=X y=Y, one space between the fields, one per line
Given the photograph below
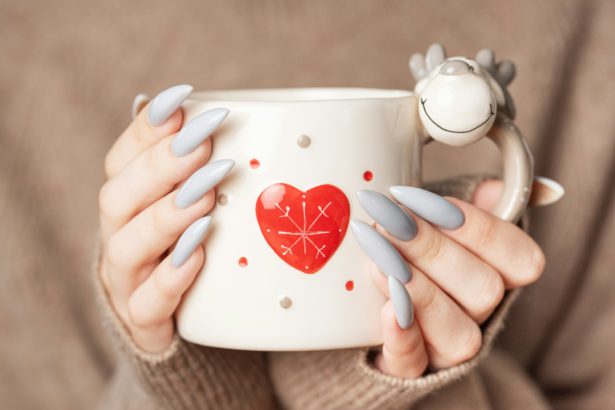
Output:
x=460 y=258
x=143 y=212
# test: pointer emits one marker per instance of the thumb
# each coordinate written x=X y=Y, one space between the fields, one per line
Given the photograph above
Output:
x=487 y=194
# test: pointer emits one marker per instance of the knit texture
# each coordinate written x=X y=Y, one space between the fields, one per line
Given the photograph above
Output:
x=70 y=69
x=187 y=376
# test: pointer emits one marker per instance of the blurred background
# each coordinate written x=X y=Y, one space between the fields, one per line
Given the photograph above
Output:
x=69 y=71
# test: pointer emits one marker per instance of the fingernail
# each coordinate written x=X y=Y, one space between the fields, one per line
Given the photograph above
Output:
x=138 y=103
x=429 y=206
x=402 y=303
x=165 y=103
x=190 y=239
x=202 y=181
x=387 y=214
x=197 y=130
x=380 y=250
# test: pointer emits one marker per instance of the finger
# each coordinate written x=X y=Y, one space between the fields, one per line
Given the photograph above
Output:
x=160 y=118
x=403 y=352
x=152 y=305
x=140 y=101
x=501 y=244
x=147 y=236
x=450 y=335
x=150 y=176
x=487 y=194
x=470 y=281
x=153 y=174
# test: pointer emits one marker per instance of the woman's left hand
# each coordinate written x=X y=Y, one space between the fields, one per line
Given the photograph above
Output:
x=446 y=264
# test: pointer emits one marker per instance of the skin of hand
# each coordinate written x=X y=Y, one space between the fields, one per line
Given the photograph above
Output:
x=459 y=277
x=142 y=216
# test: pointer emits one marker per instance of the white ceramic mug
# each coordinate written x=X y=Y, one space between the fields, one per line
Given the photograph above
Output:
x=281 y=271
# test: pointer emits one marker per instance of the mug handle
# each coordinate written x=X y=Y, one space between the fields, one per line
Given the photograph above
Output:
x=517 y=168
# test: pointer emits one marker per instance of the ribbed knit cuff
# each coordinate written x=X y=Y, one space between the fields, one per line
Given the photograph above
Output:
x=188 y=376
x=348 y=379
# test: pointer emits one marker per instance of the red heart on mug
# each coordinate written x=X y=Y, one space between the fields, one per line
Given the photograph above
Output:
x=303 y=228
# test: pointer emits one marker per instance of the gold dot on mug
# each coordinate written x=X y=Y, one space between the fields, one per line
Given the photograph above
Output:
x=285 y=302
x=222 y=199
x=304 y=141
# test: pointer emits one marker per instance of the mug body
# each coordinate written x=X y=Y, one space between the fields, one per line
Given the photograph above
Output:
x=282 y=272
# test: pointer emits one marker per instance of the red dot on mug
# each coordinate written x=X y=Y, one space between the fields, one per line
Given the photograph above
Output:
x=254 y=163
x=368 y=175
x=243 y=262
x=349 y=285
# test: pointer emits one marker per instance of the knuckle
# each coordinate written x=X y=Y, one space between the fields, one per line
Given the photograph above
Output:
x=491 y=295
x=163 y=220
x=106 y=204
x=537 y=265
x=428 y=297
x=115 y=253
x=139 y=316
x=162 y=164
x=166 y=289
x=467 y=346
x=486 y=231
x=430 y=245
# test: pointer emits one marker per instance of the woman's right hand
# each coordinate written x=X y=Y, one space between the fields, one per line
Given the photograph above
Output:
x=143 y=212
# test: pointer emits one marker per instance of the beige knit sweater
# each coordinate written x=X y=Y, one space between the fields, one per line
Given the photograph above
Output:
x=188 y=376
x=68 y=72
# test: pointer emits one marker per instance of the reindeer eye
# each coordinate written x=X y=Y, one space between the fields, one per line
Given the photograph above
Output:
x=455 y=67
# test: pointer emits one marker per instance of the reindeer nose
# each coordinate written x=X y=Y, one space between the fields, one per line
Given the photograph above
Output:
x=455 y=67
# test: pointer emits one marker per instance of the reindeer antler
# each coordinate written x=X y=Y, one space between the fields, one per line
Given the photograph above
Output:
x=503 y=73
x=421 y=66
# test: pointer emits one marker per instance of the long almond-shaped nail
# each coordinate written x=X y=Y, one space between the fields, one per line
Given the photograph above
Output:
x=165 y=103
x=189 y=240
x=381 y=251
x=387 y=214
x=202 y=181
x=429 y=206
x=402 y=303
x=138 y=103
x=197 y=130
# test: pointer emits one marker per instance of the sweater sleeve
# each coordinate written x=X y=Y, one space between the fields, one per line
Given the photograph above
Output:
x=185 y=376
x=348 y=379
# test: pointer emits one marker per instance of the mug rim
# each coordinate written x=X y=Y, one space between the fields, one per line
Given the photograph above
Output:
x=301 y=95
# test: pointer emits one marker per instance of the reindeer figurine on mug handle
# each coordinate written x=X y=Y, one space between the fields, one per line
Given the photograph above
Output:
x=462 y=100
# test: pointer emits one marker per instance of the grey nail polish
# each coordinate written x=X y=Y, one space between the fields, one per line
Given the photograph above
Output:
x=202 y=181
x=189 y=240
x=387 y=214
x=429 y=206
x=165 y=103
x=402 y=303
x=197 y=130
x=138 y=103
x=380 y=250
